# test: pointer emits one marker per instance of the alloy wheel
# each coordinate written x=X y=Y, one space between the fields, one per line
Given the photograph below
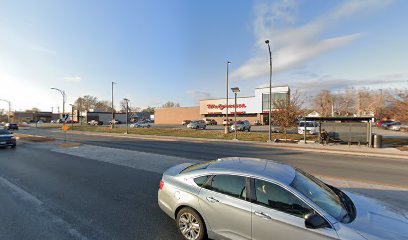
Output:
x=189 y=226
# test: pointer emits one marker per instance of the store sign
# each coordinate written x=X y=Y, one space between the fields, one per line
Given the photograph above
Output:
x=222 y=106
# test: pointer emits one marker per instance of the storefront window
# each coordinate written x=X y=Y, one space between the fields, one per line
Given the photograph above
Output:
x=275 y=97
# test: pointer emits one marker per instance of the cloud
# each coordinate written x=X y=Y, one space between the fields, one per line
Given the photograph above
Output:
x=72 y=79
x=312 y=83
x=198 y=95
x=293 y=46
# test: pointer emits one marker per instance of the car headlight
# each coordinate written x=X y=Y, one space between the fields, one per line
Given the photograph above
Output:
x=13 y=138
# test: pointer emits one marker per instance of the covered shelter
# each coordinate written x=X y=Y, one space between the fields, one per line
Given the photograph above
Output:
x=345 y=129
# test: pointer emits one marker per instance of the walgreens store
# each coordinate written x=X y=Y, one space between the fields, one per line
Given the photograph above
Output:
x=254 y=109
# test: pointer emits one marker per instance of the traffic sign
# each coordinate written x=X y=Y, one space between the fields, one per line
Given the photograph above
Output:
x=66 y=116
x=65 y=127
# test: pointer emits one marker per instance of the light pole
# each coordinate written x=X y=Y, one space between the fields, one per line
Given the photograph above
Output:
x=72 y=116
x=270 y=91
x=127 y=117
x=63 y=100
x=113 y=114
x=9 y=109
x=226 y=115
x=235 y=90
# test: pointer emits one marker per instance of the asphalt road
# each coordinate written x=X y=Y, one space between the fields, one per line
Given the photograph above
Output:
x=358 y=168
x=48 y=192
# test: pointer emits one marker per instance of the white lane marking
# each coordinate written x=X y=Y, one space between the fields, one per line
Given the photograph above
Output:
x=40 y=207
x=134 y=159
x=20 y=192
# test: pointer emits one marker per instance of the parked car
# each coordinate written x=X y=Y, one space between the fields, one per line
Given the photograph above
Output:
x=197 y=124
x=389 y=124
x=224 y=122
x=244 y=198
x=398 y=127
x=7 y=139
x=11 y=126
x=143 y=124
x=312 y=127
x=210 y=122
x=185 y=122
x=116 y=122
x=241 y=126
x=379 y=123
x=95 y=122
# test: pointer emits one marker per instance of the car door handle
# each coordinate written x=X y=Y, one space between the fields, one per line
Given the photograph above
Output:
x=211 y=199
x=262 y=215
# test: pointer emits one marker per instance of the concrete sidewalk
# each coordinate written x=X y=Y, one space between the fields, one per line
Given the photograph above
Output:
x=309 y=147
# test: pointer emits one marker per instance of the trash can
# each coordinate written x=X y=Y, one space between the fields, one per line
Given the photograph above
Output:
x=377 y=141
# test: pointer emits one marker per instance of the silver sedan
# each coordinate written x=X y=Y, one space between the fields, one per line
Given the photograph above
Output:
x=243 y=198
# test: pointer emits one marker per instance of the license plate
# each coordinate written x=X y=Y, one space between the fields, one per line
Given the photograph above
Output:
x=2 y=143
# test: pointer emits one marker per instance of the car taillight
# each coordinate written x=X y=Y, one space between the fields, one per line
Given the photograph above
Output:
x=161 y=184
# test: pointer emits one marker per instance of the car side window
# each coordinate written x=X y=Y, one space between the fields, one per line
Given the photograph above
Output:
x=200 y=181
x=230 y=185
x=273 y=196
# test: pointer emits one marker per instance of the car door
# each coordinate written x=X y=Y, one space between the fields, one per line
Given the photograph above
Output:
x=278 y=213
x=225 y=206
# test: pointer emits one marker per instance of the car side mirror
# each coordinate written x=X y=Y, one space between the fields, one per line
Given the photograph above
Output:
x=315 y=221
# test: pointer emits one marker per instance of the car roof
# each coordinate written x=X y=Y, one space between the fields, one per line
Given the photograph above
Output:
x=256 y=167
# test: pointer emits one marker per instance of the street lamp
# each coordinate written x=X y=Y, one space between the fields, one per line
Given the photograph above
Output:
x=113 y=114
x=127 y=112
x=235 y=90
x=226 y=115
x=270 y=91
x=9 y=109
x=63 y=100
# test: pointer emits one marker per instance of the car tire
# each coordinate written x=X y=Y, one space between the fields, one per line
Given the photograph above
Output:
x=13 y=146
x=186 y=218
x=249 y=129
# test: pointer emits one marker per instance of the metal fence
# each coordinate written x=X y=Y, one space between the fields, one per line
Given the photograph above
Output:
x=348 y=132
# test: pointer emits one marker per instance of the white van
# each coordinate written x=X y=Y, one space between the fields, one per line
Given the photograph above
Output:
x=312 y=127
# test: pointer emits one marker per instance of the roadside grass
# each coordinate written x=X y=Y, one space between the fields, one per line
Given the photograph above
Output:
x=184 y=132
x=33 y=138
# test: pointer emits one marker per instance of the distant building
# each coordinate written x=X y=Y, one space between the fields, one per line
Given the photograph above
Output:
x=254 y=108
x=18 y=116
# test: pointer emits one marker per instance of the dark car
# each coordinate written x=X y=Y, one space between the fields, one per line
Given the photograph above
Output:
x=11 y=126
x=7 y=139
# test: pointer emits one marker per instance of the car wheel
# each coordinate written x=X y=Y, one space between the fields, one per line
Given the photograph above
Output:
x=190 y=224
x=249 y=129
x=13 y=146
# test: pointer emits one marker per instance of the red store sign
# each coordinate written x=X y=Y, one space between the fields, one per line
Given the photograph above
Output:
x=222 y=106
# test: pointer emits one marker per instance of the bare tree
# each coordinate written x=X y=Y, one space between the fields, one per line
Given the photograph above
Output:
x=105 y=106
x=86 y=103
x=400 y=104
x=322 y=103
x=170 y=104
x=287 y=112
x=149 y=109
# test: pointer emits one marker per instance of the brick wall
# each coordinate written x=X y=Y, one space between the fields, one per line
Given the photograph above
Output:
x=176 y=115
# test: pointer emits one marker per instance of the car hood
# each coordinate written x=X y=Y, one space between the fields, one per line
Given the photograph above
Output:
x=377 y=220
x=6 y=136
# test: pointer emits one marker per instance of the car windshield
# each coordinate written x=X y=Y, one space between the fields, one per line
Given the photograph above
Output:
x=308 y=124
x=4 y=132
x=320 y=194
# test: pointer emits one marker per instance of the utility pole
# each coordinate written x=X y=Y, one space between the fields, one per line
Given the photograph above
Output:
x=226 y=115
x=113 y=111
x=127 y=115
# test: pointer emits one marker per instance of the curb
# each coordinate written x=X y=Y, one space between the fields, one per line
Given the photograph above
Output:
x=264 y=144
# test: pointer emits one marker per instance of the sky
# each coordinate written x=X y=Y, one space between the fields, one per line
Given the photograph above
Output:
x=159 y=51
